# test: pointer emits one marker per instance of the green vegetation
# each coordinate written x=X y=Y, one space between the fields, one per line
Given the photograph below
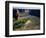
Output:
x=20 y=24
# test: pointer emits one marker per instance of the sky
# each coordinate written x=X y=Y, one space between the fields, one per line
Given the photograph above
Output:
x=33 y=12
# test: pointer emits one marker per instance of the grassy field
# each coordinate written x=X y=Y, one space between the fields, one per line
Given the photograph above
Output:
x=32 y=23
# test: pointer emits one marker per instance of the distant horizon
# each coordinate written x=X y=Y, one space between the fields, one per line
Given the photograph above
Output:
x=33 y=12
